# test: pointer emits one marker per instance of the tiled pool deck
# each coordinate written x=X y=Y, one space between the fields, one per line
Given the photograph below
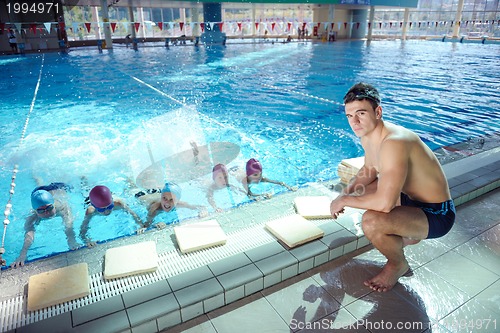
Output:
x=268 y=287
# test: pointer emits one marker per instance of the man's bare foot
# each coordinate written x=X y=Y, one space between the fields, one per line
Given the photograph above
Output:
x=389 y=276
x=410 y=241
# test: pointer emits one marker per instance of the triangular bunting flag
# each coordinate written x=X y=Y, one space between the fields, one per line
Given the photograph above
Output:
x=369 y=25
x=380 y=25
x=289 y=26
x=202 y=26
x=113 y=26
x=345 y=25
x=256 y=25
x=47 y=26
x=239 y=25
x=272 y=26
x=87 y=25
x=181 y=25
x=220 y=25
x=137 y=25
x=357 y=25
x=33 y=27
x=160 y=25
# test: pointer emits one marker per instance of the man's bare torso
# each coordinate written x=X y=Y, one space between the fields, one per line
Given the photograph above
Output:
x=425 y=180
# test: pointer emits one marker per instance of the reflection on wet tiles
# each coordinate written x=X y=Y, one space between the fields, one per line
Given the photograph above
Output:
x=424 y=251
x=302 y=300
x=472 y=317
x=438 y=297
x=256 y=316
x=345 y=281
x=462 y=273
x=490 y=298
x=484 y=249
x=457 y=236
x=468 y=220
x=403 y=311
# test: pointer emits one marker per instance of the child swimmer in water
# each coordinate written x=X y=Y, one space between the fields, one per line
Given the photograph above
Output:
x=220 y=181
x=167 y=199
x=254 y=176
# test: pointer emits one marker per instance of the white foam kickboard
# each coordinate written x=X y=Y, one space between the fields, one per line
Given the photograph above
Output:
x=58 y=286
x=294 y=230
x=313 y=207
x=197 y=236
x=131 y=259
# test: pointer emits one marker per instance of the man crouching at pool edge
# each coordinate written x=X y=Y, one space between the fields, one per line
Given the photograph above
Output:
x=401 y=186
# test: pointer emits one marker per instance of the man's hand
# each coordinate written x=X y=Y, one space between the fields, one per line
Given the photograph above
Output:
x=337 y=207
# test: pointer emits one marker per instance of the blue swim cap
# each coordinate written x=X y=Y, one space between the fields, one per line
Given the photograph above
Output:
x=41 y=198
x=173 y=188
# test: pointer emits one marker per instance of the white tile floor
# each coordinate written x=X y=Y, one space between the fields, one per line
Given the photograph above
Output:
x=455 y=287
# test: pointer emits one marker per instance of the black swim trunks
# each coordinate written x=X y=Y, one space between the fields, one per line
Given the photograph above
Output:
x=54 y=186
x=440 y=216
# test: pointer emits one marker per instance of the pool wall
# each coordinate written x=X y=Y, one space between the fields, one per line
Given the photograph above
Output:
x=219 y=276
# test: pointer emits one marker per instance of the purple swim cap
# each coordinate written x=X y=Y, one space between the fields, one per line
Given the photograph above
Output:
x=100 y=196
x=219 y=168
x=253 y=166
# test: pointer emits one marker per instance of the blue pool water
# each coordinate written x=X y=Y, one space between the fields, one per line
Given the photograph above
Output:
x=110 y=116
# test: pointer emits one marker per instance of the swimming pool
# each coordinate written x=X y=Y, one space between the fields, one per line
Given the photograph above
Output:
x=109 y=116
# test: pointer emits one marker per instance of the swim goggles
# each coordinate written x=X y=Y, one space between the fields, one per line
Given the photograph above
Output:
x=47 y=208
x=102 y=210
x=366 y=94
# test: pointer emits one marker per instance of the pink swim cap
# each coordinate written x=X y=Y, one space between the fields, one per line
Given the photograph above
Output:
x=253 y=166
x=219 y=168
x=100 y=196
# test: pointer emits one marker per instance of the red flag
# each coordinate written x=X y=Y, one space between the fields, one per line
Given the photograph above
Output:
x=87 y=25
x=181 y=25
x=239 y=26
x=113 y=26
x=220 y=25
x=33 y=27
x=137 y=25
x=160 y=25
x=272 y=26
x=345 y=25
x=256 y=25
x=202 y=26
x=289 y=26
